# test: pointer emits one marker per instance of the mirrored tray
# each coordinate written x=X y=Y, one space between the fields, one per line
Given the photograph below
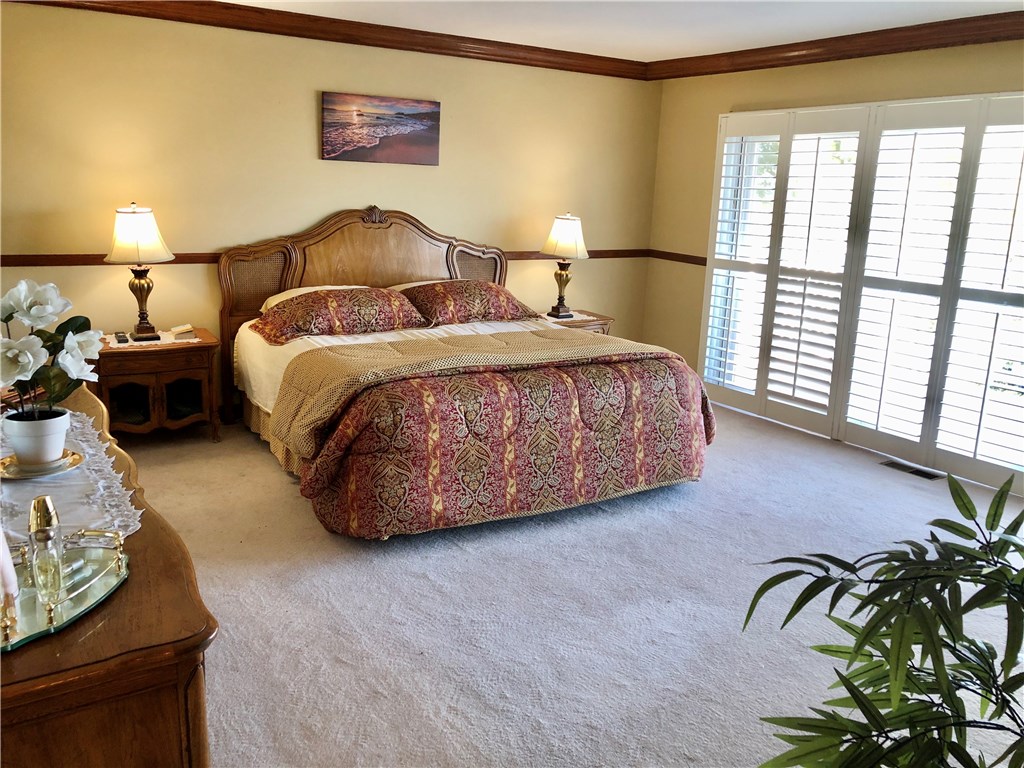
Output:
x=92 y=573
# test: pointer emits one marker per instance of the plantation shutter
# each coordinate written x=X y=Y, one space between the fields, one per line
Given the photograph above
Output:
x=909 y=232
x=982 y=409
x=740 y=251
x=866 y=277
x=813 y=252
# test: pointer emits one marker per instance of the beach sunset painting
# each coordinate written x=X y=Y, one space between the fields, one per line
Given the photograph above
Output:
x=380 y=129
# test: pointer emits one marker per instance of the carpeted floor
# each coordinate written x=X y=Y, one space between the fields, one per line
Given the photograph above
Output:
x=603 y=636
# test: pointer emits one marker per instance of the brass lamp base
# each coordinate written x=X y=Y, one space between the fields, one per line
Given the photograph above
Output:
x=562 y=277
x=141 y=285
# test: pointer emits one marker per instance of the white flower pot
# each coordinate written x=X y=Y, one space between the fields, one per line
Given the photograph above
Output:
x=36 y=441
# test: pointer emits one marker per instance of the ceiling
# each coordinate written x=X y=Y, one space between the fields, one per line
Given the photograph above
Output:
x=643 y=30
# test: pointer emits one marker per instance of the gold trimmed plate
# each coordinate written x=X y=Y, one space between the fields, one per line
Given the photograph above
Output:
x=11 y=470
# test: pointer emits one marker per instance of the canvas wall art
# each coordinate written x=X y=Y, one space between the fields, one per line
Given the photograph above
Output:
x=379 y=129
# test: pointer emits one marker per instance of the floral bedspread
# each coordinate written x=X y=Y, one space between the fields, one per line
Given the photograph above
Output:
x=411 y=436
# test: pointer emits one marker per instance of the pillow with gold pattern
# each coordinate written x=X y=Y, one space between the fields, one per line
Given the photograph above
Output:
x=335 y=312
x=466 y=301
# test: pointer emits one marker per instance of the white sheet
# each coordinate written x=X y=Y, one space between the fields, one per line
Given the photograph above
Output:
x=259 y=366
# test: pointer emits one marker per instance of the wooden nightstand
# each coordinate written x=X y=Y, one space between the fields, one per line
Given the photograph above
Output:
x=585 y=320
x=159 y=385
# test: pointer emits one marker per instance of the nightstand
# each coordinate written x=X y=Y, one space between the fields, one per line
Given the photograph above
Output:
x=146 y=386
x=585 y=320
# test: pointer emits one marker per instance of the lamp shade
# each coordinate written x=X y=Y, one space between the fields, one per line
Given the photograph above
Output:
x=137 y=238
x=566 y=239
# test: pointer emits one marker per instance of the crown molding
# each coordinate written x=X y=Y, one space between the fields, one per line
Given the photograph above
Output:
x=993 y=28
x=973 y=30
x=253 y=19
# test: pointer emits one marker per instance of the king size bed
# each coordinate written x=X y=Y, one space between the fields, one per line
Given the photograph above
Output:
x=387 y=366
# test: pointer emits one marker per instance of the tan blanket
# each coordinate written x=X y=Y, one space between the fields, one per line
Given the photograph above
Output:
x=319 y=384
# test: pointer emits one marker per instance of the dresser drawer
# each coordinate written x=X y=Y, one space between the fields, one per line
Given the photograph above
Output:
x=140 y=362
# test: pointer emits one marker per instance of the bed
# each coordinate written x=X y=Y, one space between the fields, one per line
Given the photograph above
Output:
x=387 y=366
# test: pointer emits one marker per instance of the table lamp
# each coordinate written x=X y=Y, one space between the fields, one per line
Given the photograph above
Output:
x=137 y=241
x=564 y=243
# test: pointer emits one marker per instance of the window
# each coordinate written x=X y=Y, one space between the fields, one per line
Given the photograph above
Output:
x=866 y=277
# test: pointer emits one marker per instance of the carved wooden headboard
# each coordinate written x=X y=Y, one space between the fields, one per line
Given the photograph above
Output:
x=352 y=247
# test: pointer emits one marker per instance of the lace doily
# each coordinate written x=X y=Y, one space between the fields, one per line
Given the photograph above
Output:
x=88 y=496
x=166 y=337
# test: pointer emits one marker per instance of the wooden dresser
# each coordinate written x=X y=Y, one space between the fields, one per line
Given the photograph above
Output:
x=125 y=684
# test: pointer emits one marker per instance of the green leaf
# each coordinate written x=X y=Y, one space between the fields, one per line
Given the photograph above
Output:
x=916 y=547
x=1014 y=635
x=957 y=529
x=76 y=324
x=961 y=754
x=880 y=593
x=867 y=708
x=961 y=499
x=838 y=563
x=809 y=724
x=864 y=754
x=1017 y=748
x=799 y=561
x=844 y=652
x=811 y=591
x=931 y=644
x=995 y=509
x=817 y=748
x=1011 y=684
x=1002 y=547
x=770 y=583
x=875 y=624
x=841 y=590
x=1015 y=540
x=902 y=648
x=867 y=675
x=986 y=597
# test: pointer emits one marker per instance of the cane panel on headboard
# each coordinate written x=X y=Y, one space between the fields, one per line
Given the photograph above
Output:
x=353 y=247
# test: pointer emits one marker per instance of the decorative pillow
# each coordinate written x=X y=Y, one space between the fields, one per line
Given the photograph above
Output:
x=466 y=301
x=277 y=298
x=334 y=312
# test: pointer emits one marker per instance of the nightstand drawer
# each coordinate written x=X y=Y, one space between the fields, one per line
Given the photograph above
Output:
x=142 y=362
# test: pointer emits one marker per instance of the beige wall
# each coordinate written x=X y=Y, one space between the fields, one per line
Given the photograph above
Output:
x=687 y=148
x=218 y=131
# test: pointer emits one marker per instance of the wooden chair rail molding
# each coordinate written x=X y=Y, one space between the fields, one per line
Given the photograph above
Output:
x=96 y=259
x=973 y=30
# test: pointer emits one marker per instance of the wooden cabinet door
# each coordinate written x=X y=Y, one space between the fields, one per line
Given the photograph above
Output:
x=184 y=397
x=132 y=401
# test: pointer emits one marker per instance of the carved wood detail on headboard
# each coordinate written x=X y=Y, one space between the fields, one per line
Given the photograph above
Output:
x=352 y=247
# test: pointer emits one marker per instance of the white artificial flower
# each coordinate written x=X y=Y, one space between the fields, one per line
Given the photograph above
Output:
x=87 y=344
x=45 y=306
x=20 y=359
x=18 y=299
x=75 y=367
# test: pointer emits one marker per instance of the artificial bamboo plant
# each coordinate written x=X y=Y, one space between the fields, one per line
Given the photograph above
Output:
x=917 y=683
